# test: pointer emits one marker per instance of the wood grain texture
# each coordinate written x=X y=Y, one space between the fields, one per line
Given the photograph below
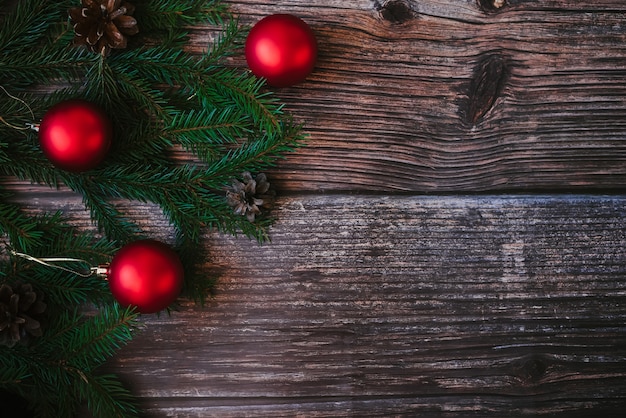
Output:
x=385 y=107
x=371 y=306
x=392 y=285
x=396 y=306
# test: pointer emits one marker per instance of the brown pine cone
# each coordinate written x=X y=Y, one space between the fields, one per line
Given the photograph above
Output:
x=20 y=309
x=103 y=25
x=250 y=196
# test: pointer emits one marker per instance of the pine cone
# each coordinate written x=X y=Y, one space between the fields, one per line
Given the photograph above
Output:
x=20 y=305
x=103 y=25
x=250 y=196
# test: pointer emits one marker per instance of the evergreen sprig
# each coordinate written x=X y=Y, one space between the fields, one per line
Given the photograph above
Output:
x=58 y=371
x=160 y=98
x=58 y=382
x=184 y=126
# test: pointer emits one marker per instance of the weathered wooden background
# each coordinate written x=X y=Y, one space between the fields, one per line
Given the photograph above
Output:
x=452 y=242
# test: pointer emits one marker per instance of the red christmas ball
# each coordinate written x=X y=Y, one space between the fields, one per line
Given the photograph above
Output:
x=75 y=135
x=282 y=49
x=146 y=274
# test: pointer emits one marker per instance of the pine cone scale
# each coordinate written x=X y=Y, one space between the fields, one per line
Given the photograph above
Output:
x=27 y=299
x=115 y=38
x=127 y=25
x=14 y=303
x=32 y=326
x=20 y=308
x=263 y=185
x=117 y=13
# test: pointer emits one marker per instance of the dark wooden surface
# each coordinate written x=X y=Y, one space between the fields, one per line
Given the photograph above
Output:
x=406 y=100
x=452 y=242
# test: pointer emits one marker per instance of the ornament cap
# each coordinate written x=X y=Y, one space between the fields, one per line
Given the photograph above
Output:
x=101 y=270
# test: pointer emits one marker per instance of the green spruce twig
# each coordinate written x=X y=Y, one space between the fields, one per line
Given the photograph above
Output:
x=59 y=370
x=184 y=126
x=160 y=97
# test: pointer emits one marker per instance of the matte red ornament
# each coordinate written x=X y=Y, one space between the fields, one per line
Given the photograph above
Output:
x=75 y=135
x=146 y=274
x=282 y=49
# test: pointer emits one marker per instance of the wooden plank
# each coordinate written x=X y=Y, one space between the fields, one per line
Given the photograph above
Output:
x=377 y=305
x=389 y=106
x=371 y=305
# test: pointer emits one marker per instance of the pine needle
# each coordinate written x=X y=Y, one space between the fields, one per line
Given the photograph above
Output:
x=161 y=100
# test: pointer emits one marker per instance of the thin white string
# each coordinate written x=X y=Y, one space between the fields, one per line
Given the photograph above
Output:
x=29 y=125
x=49 y=262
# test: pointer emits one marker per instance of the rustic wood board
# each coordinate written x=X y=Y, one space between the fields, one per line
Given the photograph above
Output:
x=396 y=101
x=377 y=306
x=370 y=305
x=374 y=299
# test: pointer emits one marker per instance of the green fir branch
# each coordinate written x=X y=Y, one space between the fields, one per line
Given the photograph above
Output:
x=97 y=338
x=59 y=370
x=159 y=98
x=20 y=229
x=260 y=153
x=43 y=64
x=29 y=23
x=159 y=64
x=207 y=133
x=12 y=374
x=178 y=14
x=230 y=88
x=227 y=42
x=48 y=236
x=34 y=45
x=108 y=218
x=163 y=102
x=106 y=397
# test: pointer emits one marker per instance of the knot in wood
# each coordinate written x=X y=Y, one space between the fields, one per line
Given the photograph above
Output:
x=488 y=81
x=395 y=11
x=531 y=368
x=491 y=6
